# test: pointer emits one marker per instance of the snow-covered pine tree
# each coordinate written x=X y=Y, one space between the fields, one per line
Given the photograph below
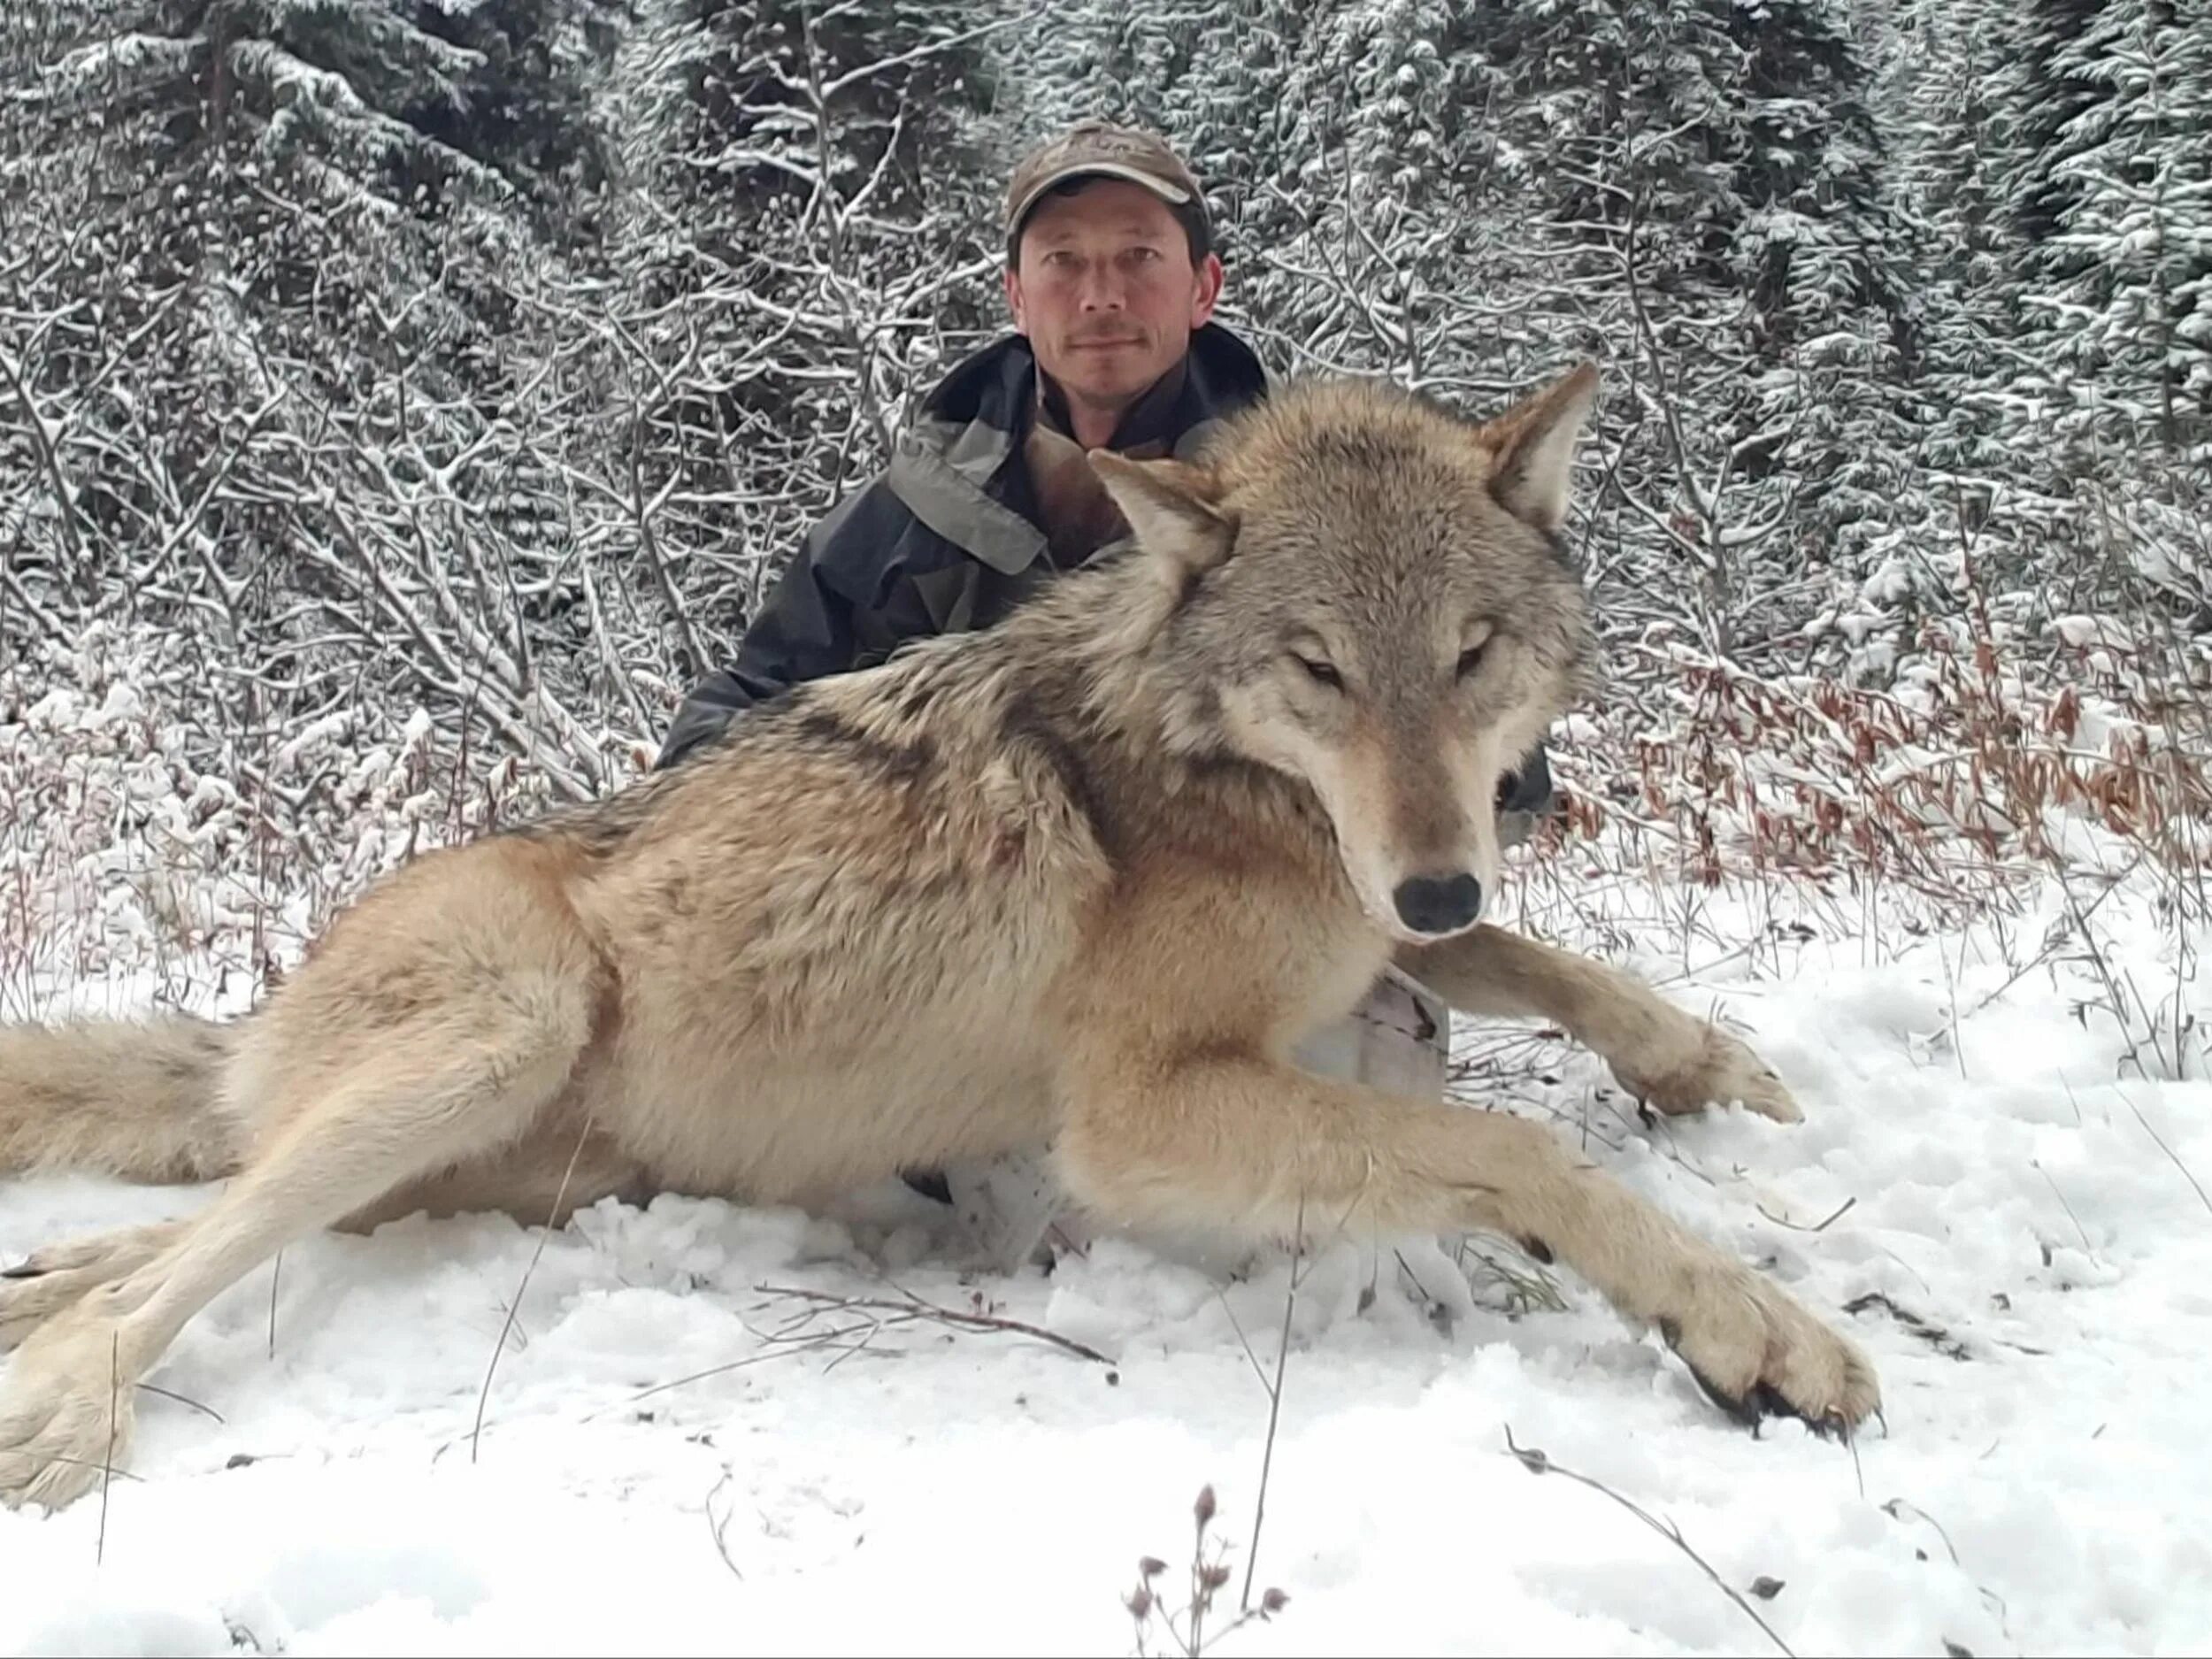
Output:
x=1948 y=130
x=2046 y=94
x=2128 y=262
x=2116 y=361
x=268 y=325
x=1699 y=186
x=349 y=96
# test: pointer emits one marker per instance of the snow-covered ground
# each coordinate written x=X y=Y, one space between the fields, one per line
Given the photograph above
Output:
x=677 y=1455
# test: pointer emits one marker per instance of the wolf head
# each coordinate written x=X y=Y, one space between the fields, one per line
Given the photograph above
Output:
x=1370 y=597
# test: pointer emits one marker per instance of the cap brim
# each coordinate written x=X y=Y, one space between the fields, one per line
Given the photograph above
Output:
x=1173 y=196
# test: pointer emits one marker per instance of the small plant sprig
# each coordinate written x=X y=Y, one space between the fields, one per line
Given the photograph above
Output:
x=1208 y=1576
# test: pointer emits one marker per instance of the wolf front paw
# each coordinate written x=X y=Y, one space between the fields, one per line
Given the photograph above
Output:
x=1757 y=1354
x=1704 y=1066
x=65 y=1421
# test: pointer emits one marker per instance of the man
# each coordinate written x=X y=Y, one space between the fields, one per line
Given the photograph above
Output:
x=1111 y=278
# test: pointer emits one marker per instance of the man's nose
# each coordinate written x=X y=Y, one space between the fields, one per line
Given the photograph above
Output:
x=1101 y=292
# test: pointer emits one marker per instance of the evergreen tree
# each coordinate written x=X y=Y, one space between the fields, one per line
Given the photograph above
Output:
x=2048 y=94
x=401 y=99
x=2129 y=262
x=270 y=289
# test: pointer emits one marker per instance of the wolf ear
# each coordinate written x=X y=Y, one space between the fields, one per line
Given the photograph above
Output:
x=1531 y=448
x=1171 y=508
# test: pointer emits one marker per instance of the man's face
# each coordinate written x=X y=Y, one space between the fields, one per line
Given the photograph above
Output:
x=1106 y=291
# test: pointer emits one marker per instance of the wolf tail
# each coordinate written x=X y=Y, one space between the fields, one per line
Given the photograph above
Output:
x=137 y=1099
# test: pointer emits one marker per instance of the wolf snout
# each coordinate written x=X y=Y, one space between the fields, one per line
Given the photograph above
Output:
x=1437 y=905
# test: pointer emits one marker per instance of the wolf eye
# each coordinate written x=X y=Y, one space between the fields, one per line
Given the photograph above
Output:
x=1470 y=659
x=1324 y=674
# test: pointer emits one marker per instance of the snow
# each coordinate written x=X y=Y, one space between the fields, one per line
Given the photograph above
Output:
x=1977 y=1176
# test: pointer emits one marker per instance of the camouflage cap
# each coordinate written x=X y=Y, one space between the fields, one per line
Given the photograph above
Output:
x=1100 y=148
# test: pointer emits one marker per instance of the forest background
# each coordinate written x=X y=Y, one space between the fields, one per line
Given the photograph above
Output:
x=401 y=403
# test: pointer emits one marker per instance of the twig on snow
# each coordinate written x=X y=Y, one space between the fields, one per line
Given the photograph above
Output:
x=1536 y=1463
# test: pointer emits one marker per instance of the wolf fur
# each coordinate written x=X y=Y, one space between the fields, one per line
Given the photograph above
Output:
x=1081 y=881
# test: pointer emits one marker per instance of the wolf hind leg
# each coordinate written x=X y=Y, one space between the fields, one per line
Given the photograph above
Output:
x=418 y=1100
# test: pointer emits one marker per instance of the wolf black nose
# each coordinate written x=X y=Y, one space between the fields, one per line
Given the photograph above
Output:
x=1437 y=905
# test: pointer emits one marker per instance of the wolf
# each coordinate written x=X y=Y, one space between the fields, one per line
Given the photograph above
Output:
x=1081 y=882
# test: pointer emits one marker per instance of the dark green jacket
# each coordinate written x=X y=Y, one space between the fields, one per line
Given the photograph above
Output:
x=947 y=537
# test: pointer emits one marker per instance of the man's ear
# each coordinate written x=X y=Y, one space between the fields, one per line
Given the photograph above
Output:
x=1172 y=509
x=1531 y=448
x=1206 y=291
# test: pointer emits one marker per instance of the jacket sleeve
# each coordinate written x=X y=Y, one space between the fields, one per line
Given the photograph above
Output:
x=813 y=621
x=802 y=630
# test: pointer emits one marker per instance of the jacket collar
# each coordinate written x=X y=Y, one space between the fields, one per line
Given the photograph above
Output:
x=1147 y=427
x=949 y=463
